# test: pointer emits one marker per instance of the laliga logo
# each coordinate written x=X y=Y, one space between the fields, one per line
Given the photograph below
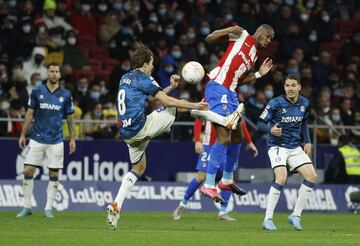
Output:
x=62 y=199
x=349 y=190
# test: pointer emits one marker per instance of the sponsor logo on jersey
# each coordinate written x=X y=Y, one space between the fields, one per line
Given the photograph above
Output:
x=50 y=106
x=245 y=59
x=290 y=119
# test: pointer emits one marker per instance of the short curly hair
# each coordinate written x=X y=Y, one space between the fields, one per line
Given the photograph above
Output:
x=141 y=55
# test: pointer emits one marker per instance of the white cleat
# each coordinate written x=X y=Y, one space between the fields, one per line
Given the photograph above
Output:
x=226 y=217
x=176 y=215
x=233 y=119
x=113 y=215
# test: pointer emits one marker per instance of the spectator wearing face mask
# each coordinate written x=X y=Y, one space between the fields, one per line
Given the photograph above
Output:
x=115 y=74
x=73 y=55
x=35 y=80
x=22 y=41
x=51 y=19
x=109 y=28
x=35 y=64
x=55 y=47
x=92 y=96
x=351 y=48
x=322 y=68
x=83 y=20
x=101 y=9
x=95 y=113
x=41 y=32
x=167 y=68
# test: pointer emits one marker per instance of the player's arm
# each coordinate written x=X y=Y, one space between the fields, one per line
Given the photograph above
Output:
x=173 y=102
x=223 y=35
x=197 y=136
x=71 y=125
x=263 y=70
x=265 y=117
x=306 y=136
x=173 y=84
x=25 y=127
x=248 y=139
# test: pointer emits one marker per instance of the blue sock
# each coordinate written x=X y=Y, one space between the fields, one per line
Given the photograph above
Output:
x=225 y=194
x=192 y=187
x=231 y=160
x=217 y=157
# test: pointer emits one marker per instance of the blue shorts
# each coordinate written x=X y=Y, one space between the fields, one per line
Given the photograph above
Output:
x=220 y=99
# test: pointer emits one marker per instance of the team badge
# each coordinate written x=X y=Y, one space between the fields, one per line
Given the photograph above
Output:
x=224 y=106
x=61 y=99
x=41 y=96
x=203 y=164
x=284 y=111
x=302 y=109
x=277 y=159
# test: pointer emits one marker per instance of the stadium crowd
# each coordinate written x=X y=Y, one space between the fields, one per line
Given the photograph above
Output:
x=92 y=40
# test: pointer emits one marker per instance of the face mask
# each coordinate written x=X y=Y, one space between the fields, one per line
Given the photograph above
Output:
x=12 y=3
x=335 y=117
x=125 y=68
x=38 y=82
x=162 y=11
x=243 y=89
x=294 y=71
x=153 y=18
x=304 y=17
x=325 y=18
x=102 y=7
x=95 y=95
x=313 y=37
x=82 y=89
x=42 y=29
x=269 y=94
x=26 y=28
x=4 y=105
x=125 y=31
x=289 y=2
x=117 y=6
x=38 y=59
x=310 y=5
x=169 y=69
x=204 y=31
x=97 y=114
x=202 y=50
x=259 y=105
x=85 y=7
x=103 y=90
x=57 y=40
x=71 y=40
x=176 y=54
x=229 y=17
x=191 y=35
x=137 y=8
x=170 y=32
x=178 y=17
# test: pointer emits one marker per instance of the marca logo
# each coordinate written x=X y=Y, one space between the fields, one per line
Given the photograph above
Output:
x=11 y=196
x=321 y=199
x=288 y=119
x=159 y=193
x=50 y=106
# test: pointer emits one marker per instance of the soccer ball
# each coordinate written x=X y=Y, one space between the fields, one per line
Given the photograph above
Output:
x=193 y=72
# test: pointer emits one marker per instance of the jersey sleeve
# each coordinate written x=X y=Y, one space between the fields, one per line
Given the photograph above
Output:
x=69 y=106
x=149 y=86
x=32 y=99
x=267 y=113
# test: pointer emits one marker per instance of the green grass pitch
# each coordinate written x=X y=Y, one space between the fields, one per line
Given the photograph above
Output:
x=195 y=228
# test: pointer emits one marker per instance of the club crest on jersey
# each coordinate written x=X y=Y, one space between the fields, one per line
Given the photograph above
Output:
x=61 y=99
x=284 y=111
x=41 y=96
x=224 y=106
x=277 y=159
x=302 y=108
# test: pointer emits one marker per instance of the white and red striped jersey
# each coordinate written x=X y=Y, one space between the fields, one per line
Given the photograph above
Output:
x=209 y=134
x=239 y=57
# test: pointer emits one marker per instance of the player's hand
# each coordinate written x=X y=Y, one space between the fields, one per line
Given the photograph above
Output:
x=235 y=31
x=22 y=142
x=72 y=146
x=174 y=80
x=199 y=148
x=253 y=148
x=308 y=149
x=202 y=106
x=276 y=131
x=266 y=66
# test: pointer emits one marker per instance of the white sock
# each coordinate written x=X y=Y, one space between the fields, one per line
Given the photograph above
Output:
x=28 y=186
x=209 y=115
x=226 y=181
x=304 y=193
x=273 y=198
x=51 y=194
x=126 y=185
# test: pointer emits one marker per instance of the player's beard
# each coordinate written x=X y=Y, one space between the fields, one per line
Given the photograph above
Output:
x=54 y=81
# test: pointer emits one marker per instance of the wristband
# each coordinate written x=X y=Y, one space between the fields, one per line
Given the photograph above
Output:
x=258 y=75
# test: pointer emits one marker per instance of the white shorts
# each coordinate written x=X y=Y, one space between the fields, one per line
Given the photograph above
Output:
x=158 y=122
x=37 y=152
x=292 y=158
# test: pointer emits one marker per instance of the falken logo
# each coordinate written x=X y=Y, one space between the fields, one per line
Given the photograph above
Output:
x=50 y=106
x=290 y=119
